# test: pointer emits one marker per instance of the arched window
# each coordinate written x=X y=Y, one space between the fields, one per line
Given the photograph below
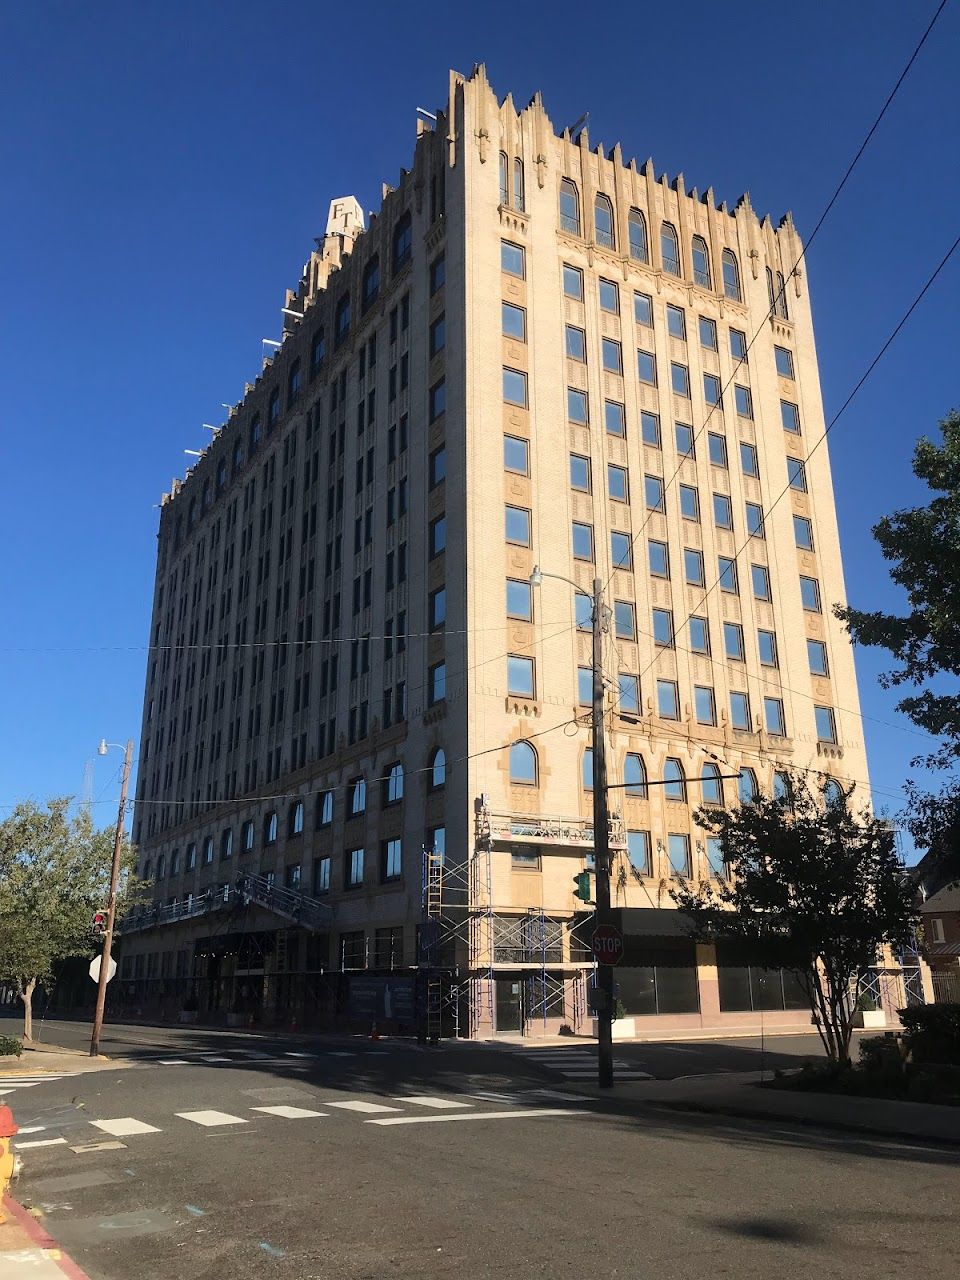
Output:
x=832 y=792
x=782 y=298
x=226 y=843
x=523 y=764
x=519 y=199
x=358 y=797
x=270 y=828
x=295 y=819
x=293 y=384
x=675 y=783
x=402 y=242
x=771 y=293
x=781 y=786
x=504 y=180
x=731 y=275
x=639 y=249
x=569 y=207
x=711 y=788
x=603 y=222
x=371 y=283
x=747 y=786
x=324 y=808
x=586 y=770
x=635 y=776
x=669 y=249
x=341 y=319
x=208 y=850
x=394 y=788
x=701 y=263
x=256 y=431
x=438 y=769
x=273 y=409
x=317 y=351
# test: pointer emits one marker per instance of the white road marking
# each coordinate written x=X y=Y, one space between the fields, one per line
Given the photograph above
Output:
x=299 y=1055
x=438 y=1104
x=360 y=1106
x=210 y=1118
x=215 y=1059
x=290 y=1113
x=33 y=1128
x=41 y=1142
x=556 y=1094
x=124 y=1126
x=587 y=1073
x=480 y=1115
x=173 y=1062
x=87 y=1147
x=342 y=1053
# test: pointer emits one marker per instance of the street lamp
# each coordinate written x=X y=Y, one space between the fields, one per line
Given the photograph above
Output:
x=601 y=829
x=104 y=978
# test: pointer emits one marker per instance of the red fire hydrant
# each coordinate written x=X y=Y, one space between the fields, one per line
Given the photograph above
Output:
x=9 y=1162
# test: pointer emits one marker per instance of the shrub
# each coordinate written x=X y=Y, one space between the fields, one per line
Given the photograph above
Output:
x=932 y=1032
x=10 y=1045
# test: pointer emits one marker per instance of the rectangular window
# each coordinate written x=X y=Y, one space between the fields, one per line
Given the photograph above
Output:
x=438 y=274
x=391 y=867
x=715 y=861
x=748 y=460
x=668 y=700
x=663 y=628
x=727 y=574
x=575 y=343
x=321 y=875
x=676 y=324
x=638 y=851
x=738 y=345
x=733 y=641
x=643 y=309
x=796 y=475
x=810 y=594
x=704 y=703
x=577 y=406
x=653 y=493
x=817 y=658
x=689 y=502
x=520 y=676
x=650 y=429
x=621 y=550
x=679 y=852
x=790 y=417
x=515 y=387
x=647 y=367
x=585 y=686
x=754 y=520
x=624 y=620
x=438 y=535
x=437 y=467
x=803 y=533
x=617 y=486
x=684 y=439
x=629 y=694
x=614 y=418
x=437 y=399
x=760 y=577
x=680 y=379
x=708 y=333
x=717 y=449
x=743 y=400
x=784 y=359
x=518 y=526
x=512 y=259
x=740 y=711
x=579 y=473
x=437 y=601
x=693 y=567
x=438 y=683
x=699 y=635
x=582 y=541
x=516 y=455
x=722 y=511
x=583 y=611
x=609 y=297
x=519 y=600
x=826 y=724
x=354 y=868
x=612 y=356
x=773 y=717
x=767 y=647
x=514 y=321
x=658 y=557
x=438 y=335
x=573 y=282
x=711 y=389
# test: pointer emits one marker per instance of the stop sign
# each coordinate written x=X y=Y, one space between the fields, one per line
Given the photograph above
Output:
x=607 y=944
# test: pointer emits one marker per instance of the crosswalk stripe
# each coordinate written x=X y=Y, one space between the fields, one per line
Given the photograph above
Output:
x=479 y=1115
x=210 y=1118
x=215 y=1059
x=438 y=1104
x=41 y=1142
x=299 y=1055
x=360 y=1106
x=124 y=1126
x=173 y=1062
x=290 y=1113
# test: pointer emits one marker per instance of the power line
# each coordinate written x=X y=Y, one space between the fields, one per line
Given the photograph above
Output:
x=781 y=292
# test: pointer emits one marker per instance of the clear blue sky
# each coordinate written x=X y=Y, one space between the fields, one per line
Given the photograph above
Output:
x=164 y=168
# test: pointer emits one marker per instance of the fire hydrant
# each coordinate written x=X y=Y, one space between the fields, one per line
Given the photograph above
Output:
x=9 y=1160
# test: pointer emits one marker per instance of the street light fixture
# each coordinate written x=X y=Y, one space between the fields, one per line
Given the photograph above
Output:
x=601 y=829
x=104 y=978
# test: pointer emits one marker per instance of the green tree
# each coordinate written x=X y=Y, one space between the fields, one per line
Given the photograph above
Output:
x=54 y=874
x=813 y=887
x=923 y=544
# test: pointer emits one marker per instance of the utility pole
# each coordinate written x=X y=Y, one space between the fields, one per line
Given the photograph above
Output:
x=601 y=845
x=112 y=905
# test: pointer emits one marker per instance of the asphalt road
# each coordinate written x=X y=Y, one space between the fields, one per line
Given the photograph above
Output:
x=422 y=1165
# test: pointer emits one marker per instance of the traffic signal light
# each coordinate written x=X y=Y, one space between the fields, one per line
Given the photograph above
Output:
x=99 y=924
x=582 y=891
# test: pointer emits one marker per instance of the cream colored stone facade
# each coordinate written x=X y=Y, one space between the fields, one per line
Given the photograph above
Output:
x=351 y=436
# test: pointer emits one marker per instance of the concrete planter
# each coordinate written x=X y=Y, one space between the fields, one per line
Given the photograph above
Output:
x=623 y=1028
x=874 y=1018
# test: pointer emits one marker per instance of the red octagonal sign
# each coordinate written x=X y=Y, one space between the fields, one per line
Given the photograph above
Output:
x=607 y=944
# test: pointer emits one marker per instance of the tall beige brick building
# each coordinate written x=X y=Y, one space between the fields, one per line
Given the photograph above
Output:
x=364 y=757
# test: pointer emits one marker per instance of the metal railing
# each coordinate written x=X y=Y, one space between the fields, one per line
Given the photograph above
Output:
x=303 y=910
x=545 y=829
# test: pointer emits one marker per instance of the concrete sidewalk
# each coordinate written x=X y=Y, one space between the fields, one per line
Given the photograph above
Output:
x=51 y=1059
x=740 y=1094
x=27 y=1250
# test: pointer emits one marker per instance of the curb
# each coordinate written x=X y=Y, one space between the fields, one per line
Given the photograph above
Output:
x=31 y=1227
